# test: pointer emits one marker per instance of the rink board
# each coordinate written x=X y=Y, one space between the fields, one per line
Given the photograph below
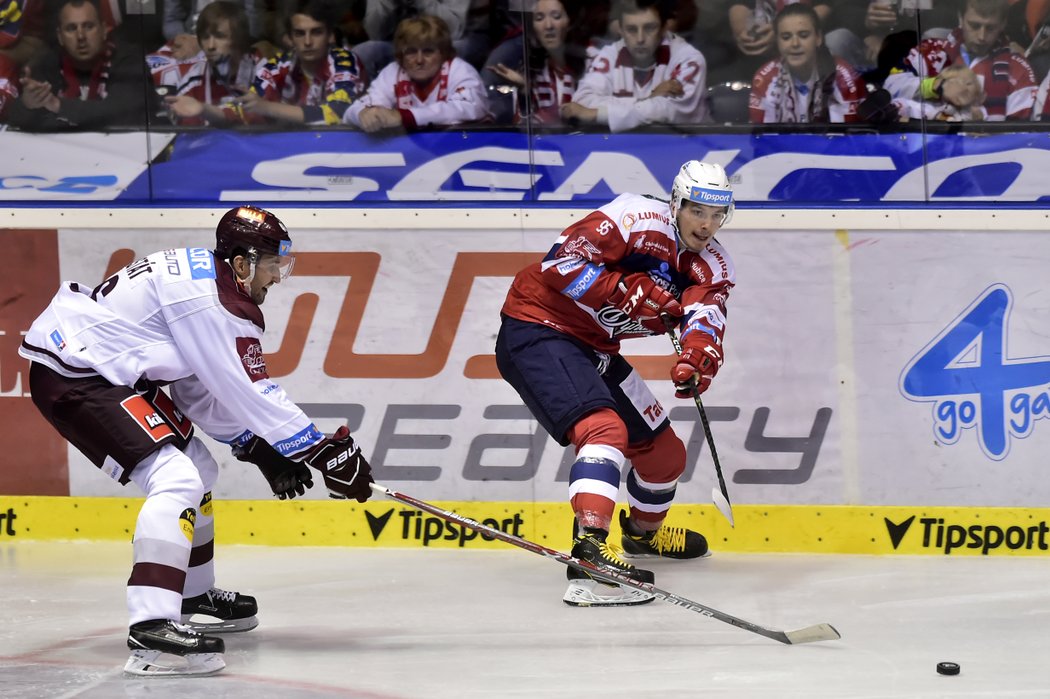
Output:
x=380 y=523
x=871 y=370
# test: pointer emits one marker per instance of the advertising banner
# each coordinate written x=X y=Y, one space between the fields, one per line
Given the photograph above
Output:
x=497 y=168
x=885 y=369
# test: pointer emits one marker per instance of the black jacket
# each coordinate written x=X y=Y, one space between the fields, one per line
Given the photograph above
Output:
x=130 y=98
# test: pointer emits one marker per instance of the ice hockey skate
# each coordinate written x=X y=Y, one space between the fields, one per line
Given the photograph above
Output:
x=585 y=591
x=665 y=542
x=160 y=648
x=220 y=611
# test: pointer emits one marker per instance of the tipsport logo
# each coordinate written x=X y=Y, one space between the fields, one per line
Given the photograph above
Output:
x=973 y=383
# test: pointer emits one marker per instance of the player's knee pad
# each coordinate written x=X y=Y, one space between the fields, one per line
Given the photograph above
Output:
x=661 y=460
x=603 y=426
x=170 y=471
x=204 y=461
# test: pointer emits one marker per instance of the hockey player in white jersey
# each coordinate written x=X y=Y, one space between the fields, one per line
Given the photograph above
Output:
x=188 y=320
x=650 y=76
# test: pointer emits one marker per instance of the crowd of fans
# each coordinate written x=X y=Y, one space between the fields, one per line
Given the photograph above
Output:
x=407 y=65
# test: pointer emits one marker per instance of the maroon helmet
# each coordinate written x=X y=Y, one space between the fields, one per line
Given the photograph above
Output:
x=251 y=229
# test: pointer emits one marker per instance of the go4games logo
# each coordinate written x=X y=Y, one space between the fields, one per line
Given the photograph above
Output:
x=973 y=383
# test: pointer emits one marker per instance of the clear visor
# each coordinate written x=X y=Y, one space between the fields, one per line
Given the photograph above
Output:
x=277 y=265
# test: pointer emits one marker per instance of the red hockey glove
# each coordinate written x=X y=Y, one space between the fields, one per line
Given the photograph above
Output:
x=696 y=366
x=345 y=471
x=643 y=300
x=286 y=478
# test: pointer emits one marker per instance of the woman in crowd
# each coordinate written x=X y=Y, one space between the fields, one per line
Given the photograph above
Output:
x=549 y=78
x=425 y=86
x=805 y=83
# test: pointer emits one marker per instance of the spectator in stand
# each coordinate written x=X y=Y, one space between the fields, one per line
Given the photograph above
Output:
x=549 y=80
x=806 y=84
x=751 y=24
x=1029 y=26
x=979 y=43
x=90 y=83
x=427 y=85
x=205 y=88
x=863 y=25
x=180 y=24
x=467 y=22
x=650 y=76
x=962 y=99
x=21 y=30
x=8 y=85
x=313 y=83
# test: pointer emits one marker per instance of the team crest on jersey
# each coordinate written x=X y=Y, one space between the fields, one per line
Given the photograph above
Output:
x=581 y=247
x=252 y=358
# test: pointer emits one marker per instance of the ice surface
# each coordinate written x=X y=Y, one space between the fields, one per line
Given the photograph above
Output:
x=431 y=624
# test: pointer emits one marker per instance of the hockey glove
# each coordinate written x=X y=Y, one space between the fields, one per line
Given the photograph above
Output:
x=345 y=471
x=641 y=299
x=697 y=365
x=286 y=478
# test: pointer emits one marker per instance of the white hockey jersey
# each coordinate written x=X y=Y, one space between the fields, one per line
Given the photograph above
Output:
x=611 y=85
x=456 y=95
x=176 y=317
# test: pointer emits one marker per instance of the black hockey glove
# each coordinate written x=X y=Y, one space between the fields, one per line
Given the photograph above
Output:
x=286 y=478
x=345 y=471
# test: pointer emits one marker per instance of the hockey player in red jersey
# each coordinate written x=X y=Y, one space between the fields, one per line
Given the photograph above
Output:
x=187 y=320
x=617 y=274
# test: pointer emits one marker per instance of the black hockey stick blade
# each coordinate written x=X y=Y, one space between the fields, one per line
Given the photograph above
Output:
x=809 y=634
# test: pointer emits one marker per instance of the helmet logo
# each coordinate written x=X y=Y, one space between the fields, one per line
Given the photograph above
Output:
x=253 y=215
x=285 y=248
x=713 y=197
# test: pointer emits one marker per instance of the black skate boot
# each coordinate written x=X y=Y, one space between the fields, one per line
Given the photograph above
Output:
x=585 y=591
x=160 y=647
x=231 y=611
x=665 y=542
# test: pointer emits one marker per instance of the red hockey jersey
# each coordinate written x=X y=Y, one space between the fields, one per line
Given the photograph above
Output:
x=568 y=290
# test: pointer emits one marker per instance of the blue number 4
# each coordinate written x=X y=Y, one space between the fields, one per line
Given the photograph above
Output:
x=973 y=384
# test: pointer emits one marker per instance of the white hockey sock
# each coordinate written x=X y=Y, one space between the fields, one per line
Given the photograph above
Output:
x=163 y=533
x=200 y=576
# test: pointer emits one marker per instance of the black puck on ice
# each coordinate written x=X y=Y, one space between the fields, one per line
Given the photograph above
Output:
x=948 y=668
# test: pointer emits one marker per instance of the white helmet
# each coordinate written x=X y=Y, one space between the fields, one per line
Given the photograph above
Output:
x=704 y=183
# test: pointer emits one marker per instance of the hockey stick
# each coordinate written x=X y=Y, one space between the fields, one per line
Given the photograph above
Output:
x=809 y=634
x=719 y=495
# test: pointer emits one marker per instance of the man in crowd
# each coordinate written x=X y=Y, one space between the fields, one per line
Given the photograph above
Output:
x=90 y=83
x=978 y=42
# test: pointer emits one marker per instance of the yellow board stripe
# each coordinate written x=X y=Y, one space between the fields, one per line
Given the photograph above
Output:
x=382 y=523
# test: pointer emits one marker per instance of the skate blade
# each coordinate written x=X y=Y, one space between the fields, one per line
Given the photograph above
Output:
x=220 y=625
x=155 y=663
x=591 y=593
